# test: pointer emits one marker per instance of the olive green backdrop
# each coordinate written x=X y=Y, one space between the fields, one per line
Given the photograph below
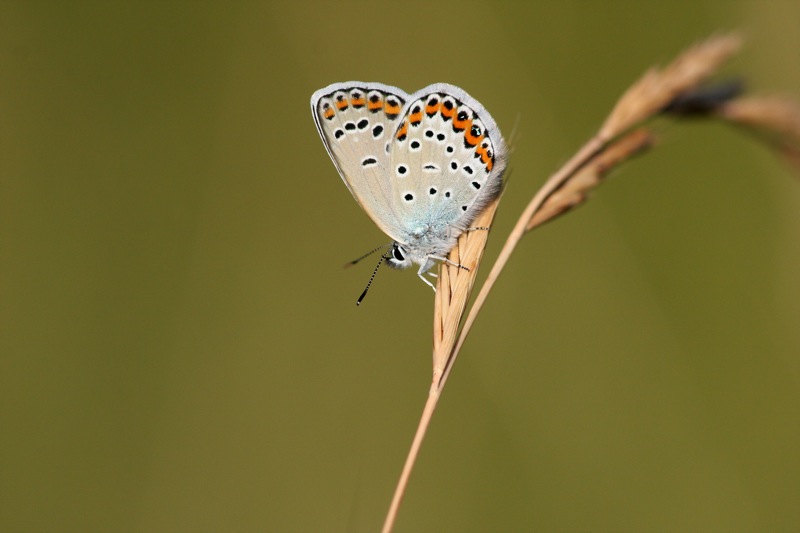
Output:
x=179 y=345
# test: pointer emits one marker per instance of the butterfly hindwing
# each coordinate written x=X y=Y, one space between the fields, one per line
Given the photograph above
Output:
x=447 y=158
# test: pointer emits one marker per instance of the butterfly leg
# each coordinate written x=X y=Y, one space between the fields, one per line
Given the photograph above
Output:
x=421 y=273
x=446 y=260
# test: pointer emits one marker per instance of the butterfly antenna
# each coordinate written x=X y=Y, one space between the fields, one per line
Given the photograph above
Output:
x=354 y=261
x=363 y=294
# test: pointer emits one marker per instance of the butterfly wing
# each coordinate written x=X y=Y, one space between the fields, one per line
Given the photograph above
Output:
x=356 y=121
x=447 y=157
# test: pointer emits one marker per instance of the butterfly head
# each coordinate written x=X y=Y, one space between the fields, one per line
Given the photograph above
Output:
x=398 y=257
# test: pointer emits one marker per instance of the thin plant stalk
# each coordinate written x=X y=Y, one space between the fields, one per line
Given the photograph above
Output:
x=438 y=382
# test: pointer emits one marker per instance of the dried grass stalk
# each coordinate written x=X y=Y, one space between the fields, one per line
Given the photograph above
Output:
x=452 y=293
x=577 y=189
x=657 y=88
x=570 y=186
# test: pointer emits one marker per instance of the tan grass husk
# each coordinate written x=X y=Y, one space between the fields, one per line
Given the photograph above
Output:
x=455 y=286
x=658 y=87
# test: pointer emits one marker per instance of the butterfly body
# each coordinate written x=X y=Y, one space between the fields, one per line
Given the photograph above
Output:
x=422 y=166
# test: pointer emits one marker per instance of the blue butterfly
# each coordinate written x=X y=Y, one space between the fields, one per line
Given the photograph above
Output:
x=422 y=166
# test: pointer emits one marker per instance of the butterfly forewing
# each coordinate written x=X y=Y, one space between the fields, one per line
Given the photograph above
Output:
x=356 y=121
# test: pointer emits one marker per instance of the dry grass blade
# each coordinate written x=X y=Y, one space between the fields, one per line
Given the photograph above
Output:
x=576 y=190
x=565 y=189
x=775 y=118
x=455 y=286
x=452 y=293
x=657 y=88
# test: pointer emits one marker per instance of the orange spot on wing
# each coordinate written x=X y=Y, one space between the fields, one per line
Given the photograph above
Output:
x=471 y=139
x=485 y=157
x=374 y=106
x=431 y=110
x=341 y=104
x=392 y=109
x=358 y=102
x=462 y=124
x=415 y=118
x=329 y=112
x=401 y=133
x=448 y=113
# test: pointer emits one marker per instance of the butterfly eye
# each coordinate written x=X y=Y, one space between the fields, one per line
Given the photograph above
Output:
x=398 y=254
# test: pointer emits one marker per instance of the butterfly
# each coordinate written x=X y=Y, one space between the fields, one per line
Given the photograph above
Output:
x=422 y=166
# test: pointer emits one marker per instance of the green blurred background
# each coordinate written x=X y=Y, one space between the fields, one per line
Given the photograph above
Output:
x=179 y=345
